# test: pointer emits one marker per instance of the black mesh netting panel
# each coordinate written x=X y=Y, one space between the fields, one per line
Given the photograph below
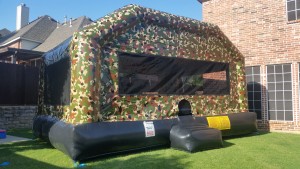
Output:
x=57 y=82
x=145 y=74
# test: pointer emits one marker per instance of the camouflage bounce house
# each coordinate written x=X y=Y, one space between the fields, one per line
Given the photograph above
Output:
x=140 y=78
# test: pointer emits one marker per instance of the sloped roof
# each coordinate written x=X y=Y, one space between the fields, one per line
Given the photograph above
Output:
x=4 y=32
x=38 y=31
x=120 y=21
x=124 y=18
x=63 y=32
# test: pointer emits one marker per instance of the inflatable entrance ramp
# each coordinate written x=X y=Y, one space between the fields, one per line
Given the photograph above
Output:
x=191 y=136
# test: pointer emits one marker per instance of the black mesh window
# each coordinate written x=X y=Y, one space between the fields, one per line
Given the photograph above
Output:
x=150 y=75
x=293 y=9
x=57 y=83
x=254 y=89
x=279 y=84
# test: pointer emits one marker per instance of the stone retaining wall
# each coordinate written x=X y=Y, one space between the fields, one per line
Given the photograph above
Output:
x=12 y=117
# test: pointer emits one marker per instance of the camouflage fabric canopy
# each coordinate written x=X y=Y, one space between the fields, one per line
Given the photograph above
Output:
x=133 y=29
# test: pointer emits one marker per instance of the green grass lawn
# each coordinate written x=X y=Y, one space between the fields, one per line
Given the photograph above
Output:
x=266 y=150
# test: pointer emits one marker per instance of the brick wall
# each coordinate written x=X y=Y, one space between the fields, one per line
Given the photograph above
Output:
x=260 y=30
x=15 y=45
x=215 y=75
x=16 y=116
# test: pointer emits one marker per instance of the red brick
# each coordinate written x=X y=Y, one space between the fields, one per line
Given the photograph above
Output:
x=261 y=32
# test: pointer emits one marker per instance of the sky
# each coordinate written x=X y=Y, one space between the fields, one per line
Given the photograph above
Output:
x=93 y=9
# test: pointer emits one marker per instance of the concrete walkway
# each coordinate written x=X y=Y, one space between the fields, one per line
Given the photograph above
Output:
x=12 y=139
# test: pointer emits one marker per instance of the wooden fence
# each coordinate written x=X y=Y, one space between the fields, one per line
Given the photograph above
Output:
x=18 y=84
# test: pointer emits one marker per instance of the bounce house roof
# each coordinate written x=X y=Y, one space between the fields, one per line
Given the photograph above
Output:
x=128 y=16
x=131 y=14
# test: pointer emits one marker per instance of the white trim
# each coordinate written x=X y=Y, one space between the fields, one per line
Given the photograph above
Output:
x=292 y=78
x=267 y=94
x=7 y=43
x=282 y=121
x=264 y=82
x=298 y=75
x=19 y=38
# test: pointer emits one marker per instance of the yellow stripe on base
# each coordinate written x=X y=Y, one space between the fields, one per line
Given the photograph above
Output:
x=219 y=122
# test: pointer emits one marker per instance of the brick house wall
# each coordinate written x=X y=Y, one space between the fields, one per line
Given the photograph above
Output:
x=15 y=45
x=260 y=30
x=215 y=75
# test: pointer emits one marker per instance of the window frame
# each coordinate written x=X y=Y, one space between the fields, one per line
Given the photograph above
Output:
x=297 y=18
x=261 y=95
x=283 y=90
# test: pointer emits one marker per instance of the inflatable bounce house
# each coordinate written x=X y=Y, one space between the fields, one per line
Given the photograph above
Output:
x=140 y=78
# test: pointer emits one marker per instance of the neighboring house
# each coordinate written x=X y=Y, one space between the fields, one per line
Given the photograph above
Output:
x=31 y=35
x=16 y=47
x=268 y=34
x=63 y=32
x=4 y=32
x=27 y=44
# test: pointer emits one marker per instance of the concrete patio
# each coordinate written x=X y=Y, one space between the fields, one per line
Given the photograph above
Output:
x=12 y=139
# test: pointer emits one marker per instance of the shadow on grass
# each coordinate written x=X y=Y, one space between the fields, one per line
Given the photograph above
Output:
x=227 y=144
x=26 y=133
x=25 y=145
x=144 y=158
x=144 y=161
x=160 y=157
x=163 y=157
x=255 y=134
x=12 y=154
x=124 y=153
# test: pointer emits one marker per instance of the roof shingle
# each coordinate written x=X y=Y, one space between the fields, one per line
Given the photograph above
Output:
x=63 y=32
x=37 y=30
x=4 y=32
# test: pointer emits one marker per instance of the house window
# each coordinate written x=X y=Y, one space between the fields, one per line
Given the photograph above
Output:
x=279 y=83
x=254 y=89
x=293 y=9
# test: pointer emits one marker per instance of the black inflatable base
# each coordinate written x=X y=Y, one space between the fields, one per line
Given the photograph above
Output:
x=90 y=140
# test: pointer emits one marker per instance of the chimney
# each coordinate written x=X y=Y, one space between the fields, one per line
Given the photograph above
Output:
x=65 y=20
x=22 y=16
x=70 y=22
